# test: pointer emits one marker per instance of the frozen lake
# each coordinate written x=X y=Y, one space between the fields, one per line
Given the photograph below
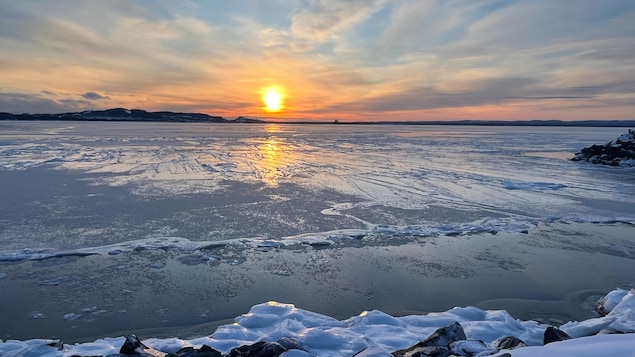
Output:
x=74 y=185
x=170 y=225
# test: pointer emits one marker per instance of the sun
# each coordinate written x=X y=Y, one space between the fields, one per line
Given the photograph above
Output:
x=273 y=99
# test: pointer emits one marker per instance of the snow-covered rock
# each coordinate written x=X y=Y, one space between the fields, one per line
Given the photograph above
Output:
x=620 y=152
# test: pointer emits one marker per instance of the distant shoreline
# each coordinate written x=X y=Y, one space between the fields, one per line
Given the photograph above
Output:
x=138 y=115
x=584 y=123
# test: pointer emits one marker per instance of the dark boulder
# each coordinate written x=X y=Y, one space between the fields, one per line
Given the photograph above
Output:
x=426 y=351
x=442 y=337
x=258 y=349
x=204 y=351
x=132 y=346
x=445 y=335
x=553 y=334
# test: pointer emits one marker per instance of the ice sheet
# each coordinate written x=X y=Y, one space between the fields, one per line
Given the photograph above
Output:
x=377 y=163
x=393 y=179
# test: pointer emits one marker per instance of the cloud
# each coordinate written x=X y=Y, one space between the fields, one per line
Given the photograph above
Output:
x=323 y=20
x=94 y=96
x=47 y=102
x=125 y=51
x=334 y=57
x=75 y=104
x=473 y=93
x=18 y=103
x=270 y=37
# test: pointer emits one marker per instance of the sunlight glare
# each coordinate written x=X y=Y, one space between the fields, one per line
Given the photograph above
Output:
x=273 y=99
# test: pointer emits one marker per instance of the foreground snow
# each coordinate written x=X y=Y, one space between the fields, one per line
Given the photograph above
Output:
x=379 y=334
x=594 y=346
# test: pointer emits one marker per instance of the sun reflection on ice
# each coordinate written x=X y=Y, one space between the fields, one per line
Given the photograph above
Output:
x=276 y=157
x=273 y=161
x=272 y=129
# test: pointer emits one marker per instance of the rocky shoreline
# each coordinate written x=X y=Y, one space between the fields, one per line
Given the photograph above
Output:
x=445 y=341
x=620 y=152
x=615 y=310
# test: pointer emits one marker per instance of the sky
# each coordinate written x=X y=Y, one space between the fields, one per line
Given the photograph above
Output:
x=327 y=59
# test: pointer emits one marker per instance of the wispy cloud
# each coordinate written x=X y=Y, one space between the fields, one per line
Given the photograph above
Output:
x=324 y=20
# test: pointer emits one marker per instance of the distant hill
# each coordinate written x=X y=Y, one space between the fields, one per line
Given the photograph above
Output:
x=122 y=114
x=138 y=115
x=246 y=120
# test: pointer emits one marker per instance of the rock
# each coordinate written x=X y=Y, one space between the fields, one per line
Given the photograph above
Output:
x=184 y=352
x=258 y=349
x=608 y=302
x=509 y=343
x=131 y=345
x=204 y=351
x=56 y=344
x=621 y=152
x=207 y=351
x=290 y=344
x=426 y=351
x=372 y=351
x=445 y=335
x=442 y=337
x=553 y=334
x=134 y=347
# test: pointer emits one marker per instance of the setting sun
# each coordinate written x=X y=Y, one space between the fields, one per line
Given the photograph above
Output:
x=273 y=99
